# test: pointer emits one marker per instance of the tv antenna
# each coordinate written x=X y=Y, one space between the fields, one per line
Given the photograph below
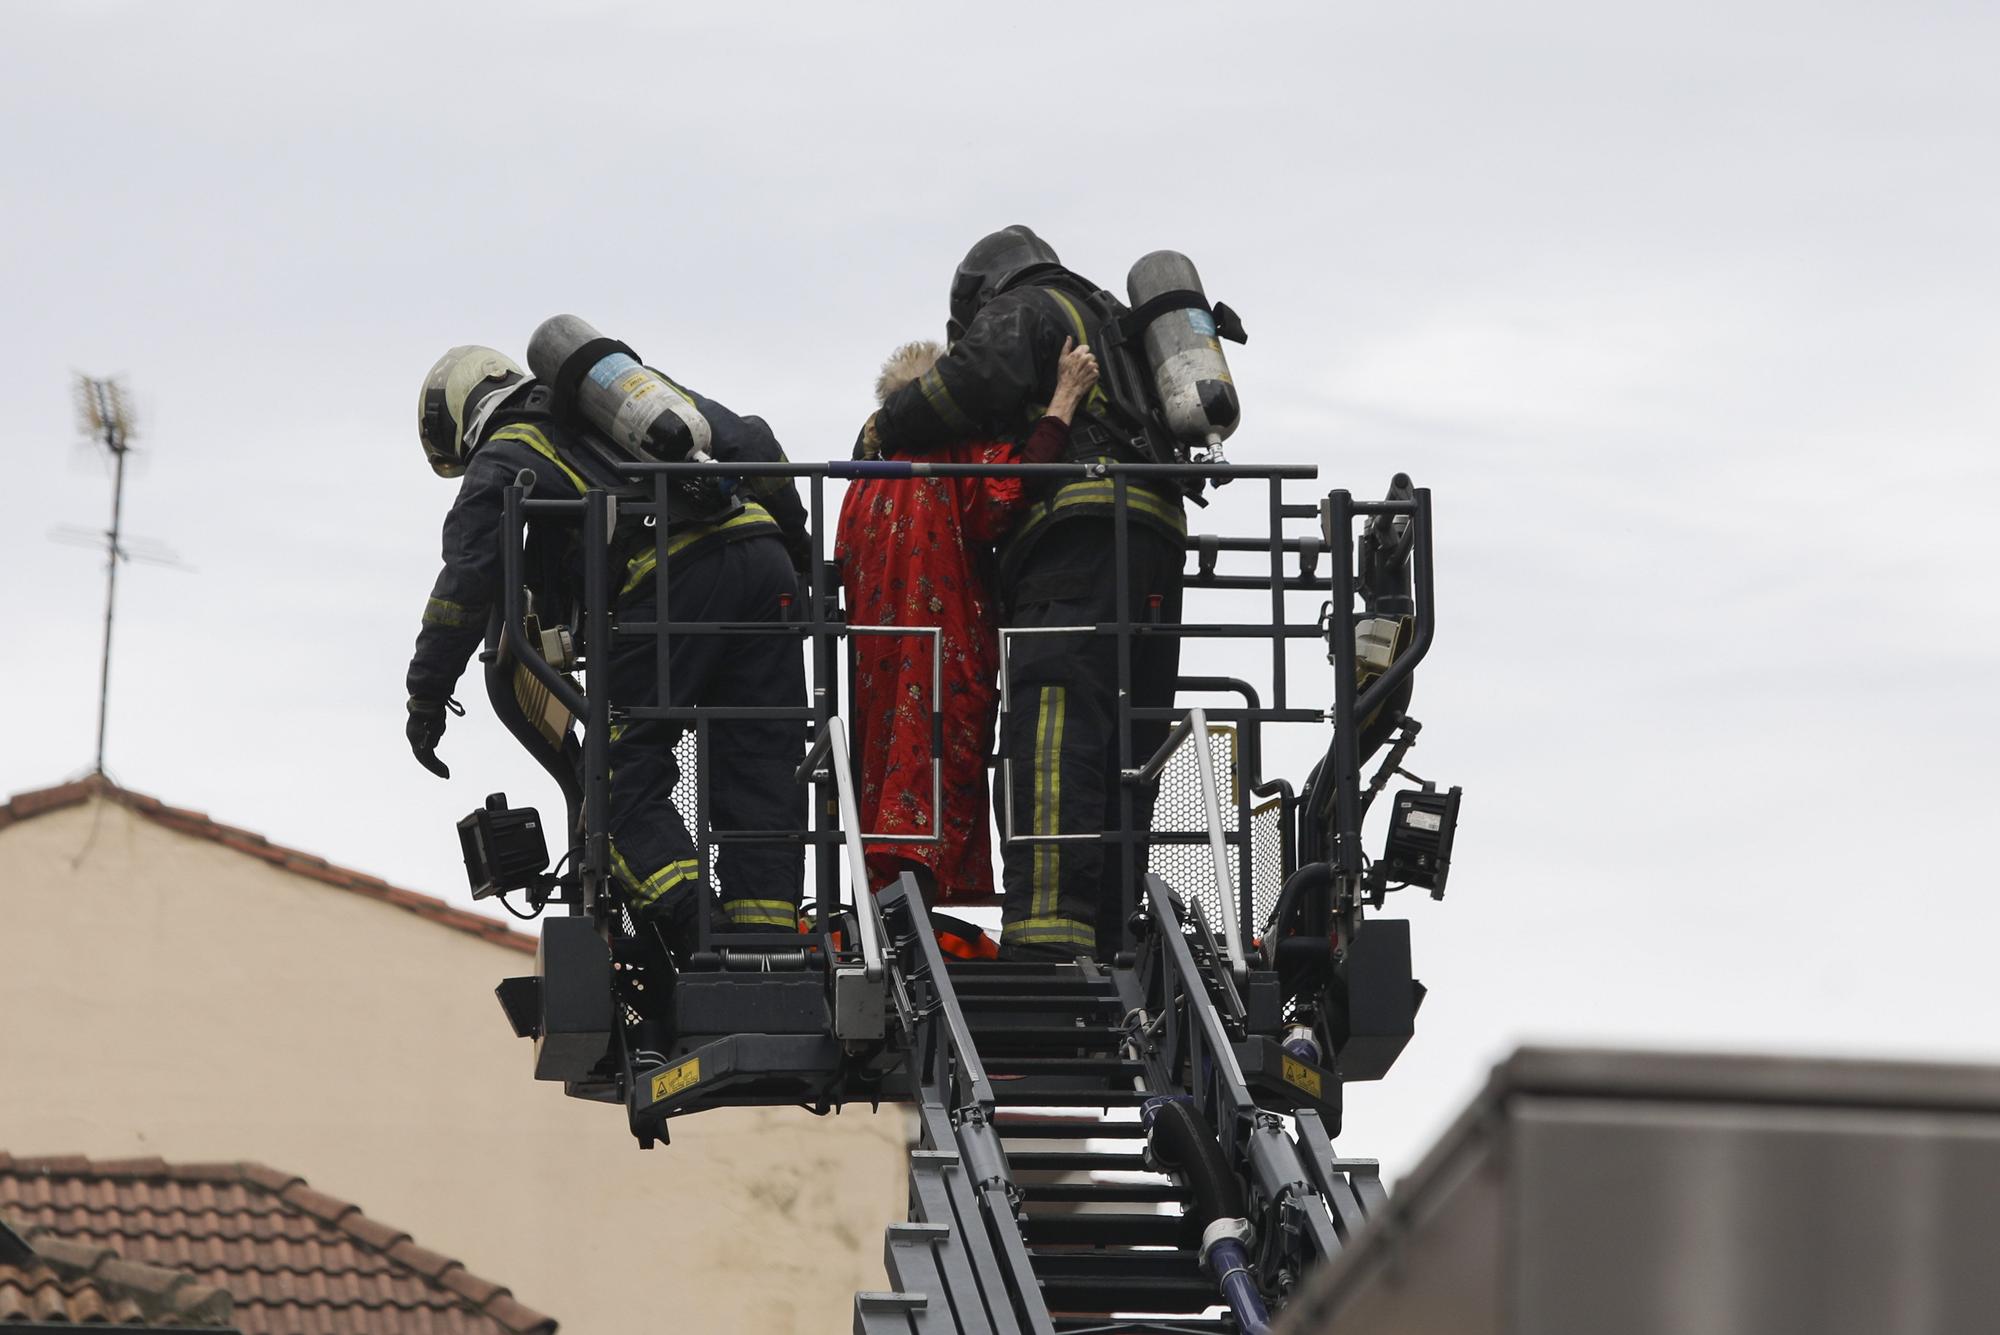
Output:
x=104 y=415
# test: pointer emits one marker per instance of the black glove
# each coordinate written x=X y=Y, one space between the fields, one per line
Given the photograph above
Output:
x=425 y=730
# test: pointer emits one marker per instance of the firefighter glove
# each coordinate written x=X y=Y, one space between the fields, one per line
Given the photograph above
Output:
x=425 y=730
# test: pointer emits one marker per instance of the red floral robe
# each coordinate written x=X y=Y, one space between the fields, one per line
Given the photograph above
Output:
x=913 y=552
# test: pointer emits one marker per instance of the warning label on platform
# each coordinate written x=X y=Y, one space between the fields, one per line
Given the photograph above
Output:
x=1297 y=1073
x=677 y=1078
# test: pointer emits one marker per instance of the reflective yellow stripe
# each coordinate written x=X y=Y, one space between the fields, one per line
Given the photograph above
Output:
x=643 y=565
x=533 y=438
x=1101 y=493
x=1046 y=874
x=1095 y=399
x=1051 y=932
x=444 y=612
x=938 y=395
x=761 y=912
x=644 y=893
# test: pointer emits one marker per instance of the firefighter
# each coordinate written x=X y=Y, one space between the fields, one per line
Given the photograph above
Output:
x=1013 y=306
x=481 y=416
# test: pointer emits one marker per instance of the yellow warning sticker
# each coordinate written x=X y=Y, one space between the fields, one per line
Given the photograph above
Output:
x=1296 y=1073
x=677 y=1078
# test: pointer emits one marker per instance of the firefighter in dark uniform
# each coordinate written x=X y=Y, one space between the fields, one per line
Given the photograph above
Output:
x=1012 y=306
x=481 y=416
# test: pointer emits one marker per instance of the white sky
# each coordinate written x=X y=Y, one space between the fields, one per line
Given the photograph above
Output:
x=1687 y=315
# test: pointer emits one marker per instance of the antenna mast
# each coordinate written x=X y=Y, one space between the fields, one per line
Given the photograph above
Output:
x=104 y=414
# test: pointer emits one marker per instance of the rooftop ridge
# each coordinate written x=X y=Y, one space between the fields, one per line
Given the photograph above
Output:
x=41 y=801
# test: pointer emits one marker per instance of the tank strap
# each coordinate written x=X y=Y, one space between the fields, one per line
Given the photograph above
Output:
x=753 y=521
x=1228 y=324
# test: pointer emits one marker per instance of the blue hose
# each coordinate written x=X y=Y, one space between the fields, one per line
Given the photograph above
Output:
x=1231 y=1265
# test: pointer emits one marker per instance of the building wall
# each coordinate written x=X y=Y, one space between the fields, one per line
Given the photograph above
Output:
x=163 y=994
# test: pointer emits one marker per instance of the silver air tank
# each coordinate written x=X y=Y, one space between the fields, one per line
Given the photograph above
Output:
x=603 y=380
x=1183 y=353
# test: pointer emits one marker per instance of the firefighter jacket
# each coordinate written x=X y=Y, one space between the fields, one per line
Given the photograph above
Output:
x=995 y=382
x=468 y=586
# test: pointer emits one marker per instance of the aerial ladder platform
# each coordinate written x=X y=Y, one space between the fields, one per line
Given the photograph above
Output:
x=1142 y=1142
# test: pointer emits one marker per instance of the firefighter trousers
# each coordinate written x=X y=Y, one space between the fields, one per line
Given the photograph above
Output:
x=1063 y=886
x=750 y=765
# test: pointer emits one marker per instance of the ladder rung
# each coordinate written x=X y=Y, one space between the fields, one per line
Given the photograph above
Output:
x=1102 y=1191
x=1021 y=1093
x=1015 y=1063
x=1075 y=1228
x=1065 y=1128
x=1077 y=1161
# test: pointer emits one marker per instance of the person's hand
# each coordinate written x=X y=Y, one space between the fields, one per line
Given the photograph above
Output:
x=425 y=730
x=1076 y=369
x=868 y=445
x=1076 y=372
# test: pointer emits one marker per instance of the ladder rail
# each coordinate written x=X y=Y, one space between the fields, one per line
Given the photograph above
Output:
x=831 y=746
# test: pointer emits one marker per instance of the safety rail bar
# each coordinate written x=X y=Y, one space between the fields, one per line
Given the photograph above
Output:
x=831 y=746
x=1342 y=766
x=1194 y=725
x=1293 y=568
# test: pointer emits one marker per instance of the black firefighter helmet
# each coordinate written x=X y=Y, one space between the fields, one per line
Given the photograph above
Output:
x=1000 y=260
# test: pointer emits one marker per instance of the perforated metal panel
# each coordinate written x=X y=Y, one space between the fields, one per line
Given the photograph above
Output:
x=684 y=794
x=1190 y=867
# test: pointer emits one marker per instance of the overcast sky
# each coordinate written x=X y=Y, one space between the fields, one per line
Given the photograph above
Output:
x=1686 y=313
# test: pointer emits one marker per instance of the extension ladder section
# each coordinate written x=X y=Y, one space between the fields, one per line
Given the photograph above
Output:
x=1036 y=1206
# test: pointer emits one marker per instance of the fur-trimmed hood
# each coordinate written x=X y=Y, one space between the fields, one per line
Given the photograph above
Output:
x=904 y=365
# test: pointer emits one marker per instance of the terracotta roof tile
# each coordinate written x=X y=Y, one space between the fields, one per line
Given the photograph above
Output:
x=317 y=1203
x=421 y=1259
x=289 y=1258
x=25 y=806
x=59 y=1281
x=378 y=1235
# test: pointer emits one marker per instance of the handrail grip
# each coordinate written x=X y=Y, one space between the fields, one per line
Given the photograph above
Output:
x=513 y=611
x=831 y=745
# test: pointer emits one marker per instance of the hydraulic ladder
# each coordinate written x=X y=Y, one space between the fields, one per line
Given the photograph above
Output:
x=1143 y=1144
x=1036 y=1205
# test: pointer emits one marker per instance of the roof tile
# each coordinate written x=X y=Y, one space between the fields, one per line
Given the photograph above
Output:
x=376 y=1234
x=317 y=1203
x=518 y=1318
x=470 y=1287
x=289 y=1258
x=423 y=1260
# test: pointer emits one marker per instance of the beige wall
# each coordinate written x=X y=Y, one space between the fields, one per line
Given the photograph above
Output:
x=166 y=995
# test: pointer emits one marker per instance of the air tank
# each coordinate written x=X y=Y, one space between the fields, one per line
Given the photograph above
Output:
x=602 y=380
x=1182 y=351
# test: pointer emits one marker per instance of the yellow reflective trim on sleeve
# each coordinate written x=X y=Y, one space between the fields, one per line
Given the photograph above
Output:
x=532 y=437
x=938 y=395
x=450 y=615
x=643 y=565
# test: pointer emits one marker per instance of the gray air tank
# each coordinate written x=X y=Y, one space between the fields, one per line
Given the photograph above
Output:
x=601 y=379
x=1189 y=372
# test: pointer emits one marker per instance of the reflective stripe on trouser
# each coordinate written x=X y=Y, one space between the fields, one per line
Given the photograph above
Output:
x=761 y=912
x=1061 y=735
x=751 y=764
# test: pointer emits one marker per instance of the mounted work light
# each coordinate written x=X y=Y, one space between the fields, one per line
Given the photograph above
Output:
x=1421 y=824
x=504 y=848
